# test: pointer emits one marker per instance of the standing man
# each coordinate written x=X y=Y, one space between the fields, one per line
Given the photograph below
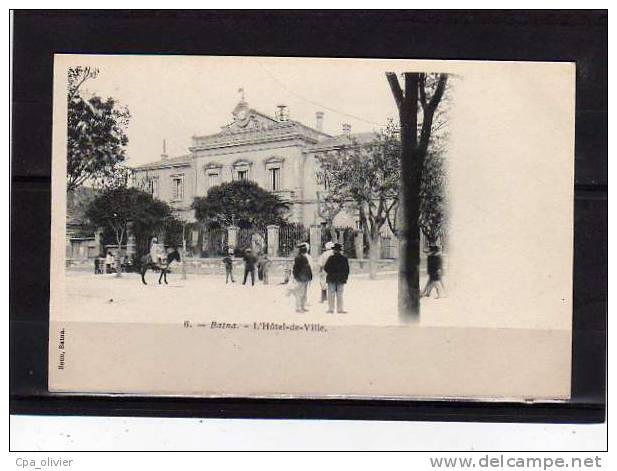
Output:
x=249 y=266
x=434 y=267
x=260 y=267
x=323 y=258
x=265 y=269
x=337 y=270
x=229 y=266
x=303 y=275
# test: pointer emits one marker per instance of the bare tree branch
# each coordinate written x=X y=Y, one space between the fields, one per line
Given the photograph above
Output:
x=422 y=88
x=429 y=112
x=439 y=91
x=396 y=88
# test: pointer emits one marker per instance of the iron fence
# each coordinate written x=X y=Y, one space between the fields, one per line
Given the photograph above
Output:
x=289 y=236
x=213 y=242
x=389 y=245
x=346 y=236
x=254 y=238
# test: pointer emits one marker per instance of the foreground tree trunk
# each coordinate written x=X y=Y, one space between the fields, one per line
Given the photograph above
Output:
x=408 y=227
x=409 y=232
x=414 y=149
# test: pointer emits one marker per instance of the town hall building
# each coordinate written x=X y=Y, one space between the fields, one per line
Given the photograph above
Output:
x=278 y=153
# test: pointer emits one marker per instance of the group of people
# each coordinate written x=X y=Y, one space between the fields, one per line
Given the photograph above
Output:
x=332 y=264
x=333 y=274
x=252 y=263
x=107 y=263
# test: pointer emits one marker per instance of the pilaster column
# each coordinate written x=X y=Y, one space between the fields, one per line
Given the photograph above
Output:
x=359 y=244
x=232 y=237
x=298 y=210
x=273 y=240
x=315 y=240
x=394 y=248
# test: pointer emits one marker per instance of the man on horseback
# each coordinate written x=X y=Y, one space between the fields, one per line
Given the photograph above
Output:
x=157 y=259
x=163 y=261
x=155 y=252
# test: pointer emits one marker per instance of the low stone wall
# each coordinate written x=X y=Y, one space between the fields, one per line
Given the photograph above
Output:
x=277 y=268
x=80 y=264
x=212 y=266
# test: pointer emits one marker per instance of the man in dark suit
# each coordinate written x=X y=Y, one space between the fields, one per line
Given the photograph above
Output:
x=434 y=268
x=303 y=275
x=250 y=260
x=337 y=273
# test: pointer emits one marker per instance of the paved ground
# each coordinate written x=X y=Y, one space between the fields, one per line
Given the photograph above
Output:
x=203 y=298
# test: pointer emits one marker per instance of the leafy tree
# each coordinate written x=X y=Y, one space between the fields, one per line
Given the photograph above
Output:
x=142 y=180
x=433 y=205
x=242 y=203
x=113 y=209
x=365 y=177
x=328 y=207
x=96 y=135
x=418 y=101
x=433 y=199
x=174 y=232
x=77 y=203
x=77 y=76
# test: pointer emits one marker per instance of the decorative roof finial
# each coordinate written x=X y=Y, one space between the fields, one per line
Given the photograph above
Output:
x=241 y=92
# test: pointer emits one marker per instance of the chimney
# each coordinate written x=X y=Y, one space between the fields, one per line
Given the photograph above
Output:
x=346 y=129
x=319 y=120
x=282 y=114
x=164 y=154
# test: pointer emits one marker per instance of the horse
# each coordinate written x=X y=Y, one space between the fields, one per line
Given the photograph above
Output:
x=148 y=263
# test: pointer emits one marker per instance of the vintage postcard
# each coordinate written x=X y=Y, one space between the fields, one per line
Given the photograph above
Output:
x=312 y=227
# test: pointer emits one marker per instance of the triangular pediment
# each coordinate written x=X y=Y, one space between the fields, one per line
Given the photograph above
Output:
x=250 y=125
x=248 y=119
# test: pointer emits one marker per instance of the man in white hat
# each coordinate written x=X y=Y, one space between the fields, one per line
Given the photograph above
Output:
x=323 y=258
x=229 y=266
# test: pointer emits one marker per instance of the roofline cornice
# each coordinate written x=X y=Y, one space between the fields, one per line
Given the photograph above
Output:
x=254 y=140
x=159 y=166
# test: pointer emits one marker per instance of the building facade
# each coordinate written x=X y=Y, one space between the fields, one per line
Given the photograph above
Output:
x=277 y=153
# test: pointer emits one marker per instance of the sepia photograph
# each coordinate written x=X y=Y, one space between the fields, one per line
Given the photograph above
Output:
x=263 y=193
x=307 y=227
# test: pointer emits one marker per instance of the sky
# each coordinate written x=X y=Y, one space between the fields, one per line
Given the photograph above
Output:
x=172 y=98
